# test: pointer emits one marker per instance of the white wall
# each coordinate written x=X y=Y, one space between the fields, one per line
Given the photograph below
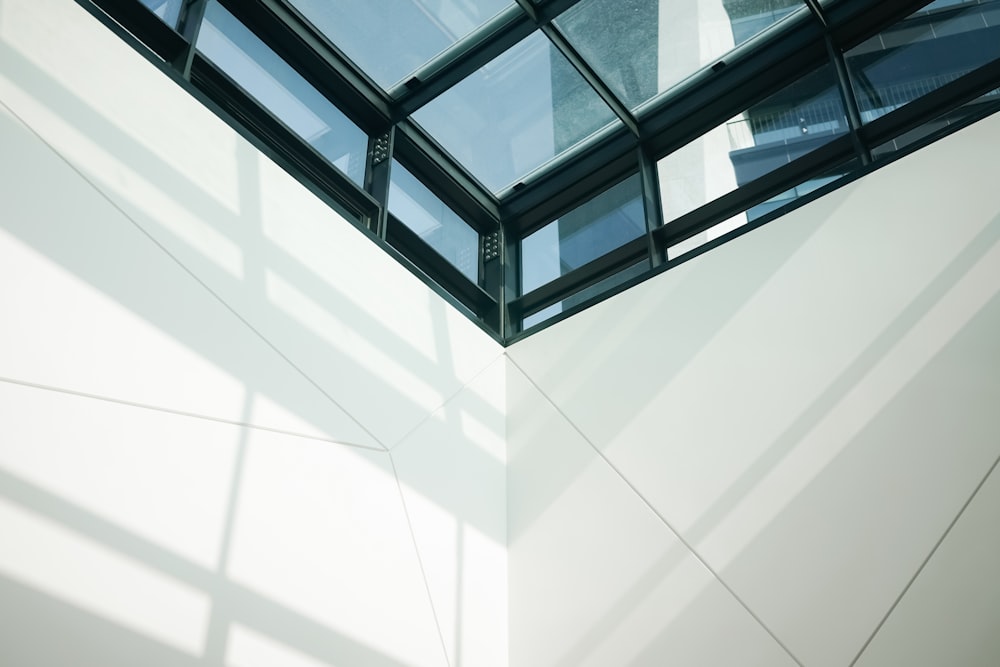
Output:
x=748 y=459
x=232 y=430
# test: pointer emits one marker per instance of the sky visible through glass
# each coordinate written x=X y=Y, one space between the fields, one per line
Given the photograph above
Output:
x=516 y=113
x=275 y=84
x=390 y=39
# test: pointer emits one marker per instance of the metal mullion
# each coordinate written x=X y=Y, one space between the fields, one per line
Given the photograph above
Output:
x=134 y=21
x=470 y=54
x=812 y=164
x=270 y=134
x=817 y=9
x=569 y=179
x=579 y=279
x=545 y=12
x=652 y=206
x=512 y=259
x=189 y=26
x=378 y=176
x=447 y=177
x=494 y=257
x=307 y=49
x=435 y=266
x=849 y=99
x=591 y=77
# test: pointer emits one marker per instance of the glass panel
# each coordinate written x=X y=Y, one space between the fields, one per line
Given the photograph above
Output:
x=168 y=10
x=605 y=285
x=772 y=204
x=604 y=223
x=417 y=208
x=789 y=124
x=988 y=103
x=928 y=49
x=389 y=39
x=641 y=48
x=516 y=113
x=283 y=91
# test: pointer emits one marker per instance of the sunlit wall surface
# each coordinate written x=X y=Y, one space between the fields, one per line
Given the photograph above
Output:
x=233 y=431
x=761 y=458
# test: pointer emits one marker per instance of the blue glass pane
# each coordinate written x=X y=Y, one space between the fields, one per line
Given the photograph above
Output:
x=923 y=52
x=604 y=223
x=787 y=125
x=597 y=289
x=516 y=113
x=641 y=48
x=420 y=210
x=389 y=39
x=283 y=91
x=168 y=10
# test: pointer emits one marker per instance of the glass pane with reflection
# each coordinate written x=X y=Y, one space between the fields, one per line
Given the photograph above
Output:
x=772 y=204
x=441 y=228
x=515 y=114
x=791 y=123
x=923 y=52
x=641 y=48
x=947 y=122
x=389 y=39
x=168 y=10
x=589 y=231
x=597 y=289
x=234 y=49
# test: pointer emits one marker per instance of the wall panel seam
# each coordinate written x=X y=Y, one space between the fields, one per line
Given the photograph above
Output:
x=661 y=518
x=192 y=274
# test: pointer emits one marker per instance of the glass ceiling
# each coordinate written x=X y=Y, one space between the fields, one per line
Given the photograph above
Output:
x=641 y=48
x=391 y=39
x=463 y=98
x=532 y=103
x=516 y=113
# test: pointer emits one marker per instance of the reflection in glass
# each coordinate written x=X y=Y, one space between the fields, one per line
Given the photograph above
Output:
x=988 y=103
x=772 y=204
x=168 y=10
x=516 y=113
x=282 y=91
x=923 y=52
x=641 y=48
x=605 y=285
x=440 y=227
x=389 y=39
x=589 y=231
x=794 y=121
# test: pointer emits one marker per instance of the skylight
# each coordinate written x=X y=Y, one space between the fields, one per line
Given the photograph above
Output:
x=527 y=157
x=391 y=39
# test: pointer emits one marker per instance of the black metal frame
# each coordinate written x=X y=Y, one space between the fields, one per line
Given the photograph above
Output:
x=809 y=38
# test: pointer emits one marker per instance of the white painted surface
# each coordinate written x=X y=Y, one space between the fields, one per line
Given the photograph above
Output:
x=596 y=578
x=811 y=404
x=949 y=615
x=320 y=531
x=376 y=339
x=809 y=430
x=452 y=469
x=162 y=283
x=92 y=305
